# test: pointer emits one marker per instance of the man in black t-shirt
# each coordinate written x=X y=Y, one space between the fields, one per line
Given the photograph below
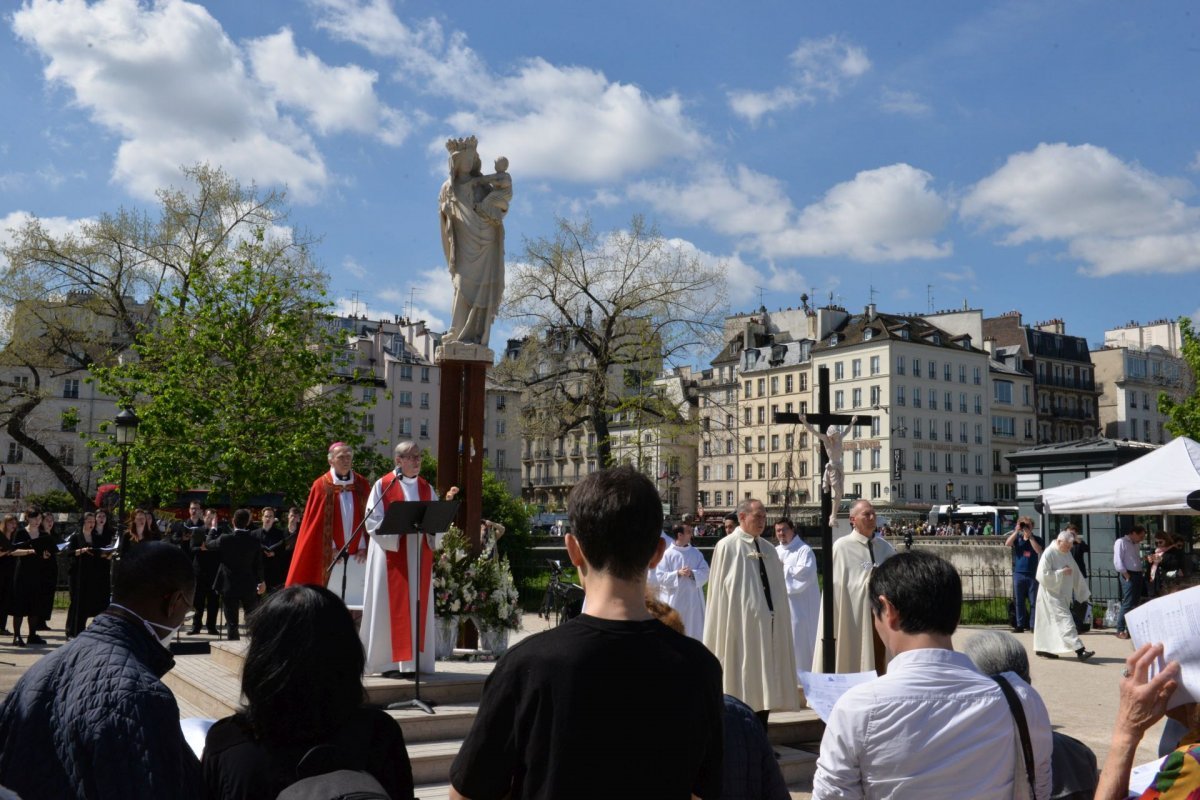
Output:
x=581 y=711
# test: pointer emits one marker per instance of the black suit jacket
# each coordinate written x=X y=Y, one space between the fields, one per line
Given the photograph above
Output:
x=241 y=567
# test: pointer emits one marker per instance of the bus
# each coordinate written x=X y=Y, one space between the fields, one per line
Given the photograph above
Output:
x=1002 y=518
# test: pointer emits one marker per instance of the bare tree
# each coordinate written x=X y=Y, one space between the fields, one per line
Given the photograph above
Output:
x=605 y=314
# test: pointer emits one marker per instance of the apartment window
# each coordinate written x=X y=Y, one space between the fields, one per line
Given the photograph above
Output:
x=762 y=415
x=838 y=371
x=918 y=461
x=789 y=441
x=962 y=373
x=995 y=461
x=803 y=382
x=1029 y=429
x=916 y=397
x=15 y=453
x=729 y=499
x=962 y=402
x=949 y=431
x=21 y=382
x=762 y=471
x=1004 y=426
x=839 y=399
x=424 y=399
x=874 y=365
x=979 y=463
x=899 y=365
x=962 y=432
x=876 y=455
x=729 y=422
x=749 y=471
x=406 y=372
x=749 y=392
x=802 y=469
x=729 y=472
x=501 y=458
x=787 y=407
x=856 y=460
x=917 y=428
x=405 y=426
x=933 y=370
x=71 y=388
x=66 y=454
x=978 y=376
x=900 y=396
x=12 y=488
x=729 y=447
x=856 y=368
x=978 y=404
x=405 y=398
x=424 y=374
x=875 y=491
x=762 y=443
x=874 y=396
x=946 y=371
x=425 y=432
x=775 y=441
x=933 y=462
x=774 y=470
x=501 y=427
x=917 y=489
x=708 y=448
x=368 y=423
x=875 y=425
x=1003 y=392
x=762 y=387
x=774 y=384
x=962 y=463
x=787 y=384
x=933 y=434
x=933 y=400
x=856 y=489
x=748 y=445
x=856 y=398
x=747 y=414
x=916 y=365
x=706 y=473
x=901 y=428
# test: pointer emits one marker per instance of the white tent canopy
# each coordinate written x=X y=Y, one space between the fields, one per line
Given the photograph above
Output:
x=1159 y=482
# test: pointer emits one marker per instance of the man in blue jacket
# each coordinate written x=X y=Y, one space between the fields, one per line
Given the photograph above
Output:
x=92 y=719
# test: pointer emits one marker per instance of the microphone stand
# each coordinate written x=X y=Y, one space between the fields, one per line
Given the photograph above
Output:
x=343 y=554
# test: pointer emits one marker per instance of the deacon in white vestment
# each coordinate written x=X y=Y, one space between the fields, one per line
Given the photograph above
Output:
x=1060 y=582
x=398 y=569
x=681 y=572
x=748 y=624
x=857 y=645
x=804 y=594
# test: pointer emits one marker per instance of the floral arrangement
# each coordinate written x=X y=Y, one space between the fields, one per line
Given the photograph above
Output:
x=481 y=586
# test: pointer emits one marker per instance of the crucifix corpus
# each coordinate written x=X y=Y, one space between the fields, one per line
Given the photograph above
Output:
x=832 y=484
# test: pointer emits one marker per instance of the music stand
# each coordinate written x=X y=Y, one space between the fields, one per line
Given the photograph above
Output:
x=413 y=518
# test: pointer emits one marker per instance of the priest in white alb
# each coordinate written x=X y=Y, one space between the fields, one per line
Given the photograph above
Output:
x=748 y=625
x=398 y=567
x=1059 y=582
x=858 y=647
x=803 y=591
x=681 y=572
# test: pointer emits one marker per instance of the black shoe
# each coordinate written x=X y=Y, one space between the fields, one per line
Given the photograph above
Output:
x=35 y=639
x=1018 y=629
x=1083 y=654
x=18 y=641
x=212 y=632
x=5 y=632
x=194 y=632
x=1044 y=654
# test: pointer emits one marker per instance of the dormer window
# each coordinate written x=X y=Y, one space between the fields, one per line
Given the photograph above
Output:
x=904 y=334
x=936 y=338
x=966 y=343
x=833 y=340
x=868 y=334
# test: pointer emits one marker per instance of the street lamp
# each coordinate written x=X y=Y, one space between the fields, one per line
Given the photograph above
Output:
x=127 y=424
x=950 y=496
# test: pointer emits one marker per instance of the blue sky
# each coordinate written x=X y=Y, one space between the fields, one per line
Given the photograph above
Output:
x=1033 y=156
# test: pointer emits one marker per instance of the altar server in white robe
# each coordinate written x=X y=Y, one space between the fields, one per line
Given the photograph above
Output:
x=681 y=573
x=398 y=568
x=1060 y=582
x=804 y=593
x=858 y=647
x=748 y=624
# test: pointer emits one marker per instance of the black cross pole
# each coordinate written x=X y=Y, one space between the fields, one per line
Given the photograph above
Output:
x=822 y=419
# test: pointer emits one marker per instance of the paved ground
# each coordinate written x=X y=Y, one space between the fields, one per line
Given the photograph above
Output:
x=1081 y=697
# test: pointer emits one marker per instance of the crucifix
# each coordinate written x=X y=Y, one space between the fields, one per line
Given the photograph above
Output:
x=831 y=478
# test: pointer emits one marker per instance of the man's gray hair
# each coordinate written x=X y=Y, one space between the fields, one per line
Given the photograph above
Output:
x=1066 y=536
x=994 y=652
x=406 y=447
x=744 y=506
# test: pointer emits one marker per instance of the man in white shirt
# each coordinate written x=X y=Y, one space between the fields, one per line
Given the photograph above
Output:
x=933 y=726
x=1127 y=560
x=681 y=573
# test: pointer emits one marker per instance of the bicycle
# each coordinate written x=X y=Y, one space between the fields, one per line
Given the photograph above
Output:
x=563 y=599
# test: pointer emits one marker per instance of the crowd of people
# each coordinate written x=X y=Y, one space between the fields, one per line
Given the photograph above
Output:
x=665 y=638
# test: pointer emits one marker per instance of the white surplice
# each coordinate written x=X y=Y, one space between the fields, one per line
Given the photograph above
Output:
x=853 y=626
x=354 y=571
x=684 y=594
x=804 y=598
x=753 y=644
x=376 y=628
x=1054 y=627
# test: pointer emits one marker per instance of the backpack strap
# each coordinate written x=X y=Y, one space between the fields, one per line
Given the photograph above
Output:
x=1018 y=713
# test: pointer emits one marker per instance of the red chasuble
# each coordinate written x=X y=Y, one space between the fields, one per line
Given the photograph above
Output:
x=397 y=575
x=321 y=534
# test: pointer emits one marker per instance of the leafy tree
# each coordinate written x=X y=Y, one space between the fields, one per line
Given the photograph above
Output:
x=605 y=314
x=1184 y=413
x=233 y=381
x=83 y=298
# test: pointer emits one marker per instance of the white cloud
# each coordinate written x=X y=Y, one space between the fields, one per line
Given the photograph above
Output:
x=821 y=68
x=896 y=101
x=352 y=267
x=958 y=275
x=1113 y=216
x=334 y=98
x=886 y=214
x=168 y=81
x=569 y=123
x=55 y=226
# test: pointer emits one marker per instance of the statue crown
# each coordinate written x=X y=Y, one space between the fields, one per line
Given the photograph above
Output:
x=457 y=145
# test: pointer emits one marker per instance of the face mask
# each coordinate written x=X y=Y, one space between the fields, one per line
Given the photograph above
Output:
x=153 y=628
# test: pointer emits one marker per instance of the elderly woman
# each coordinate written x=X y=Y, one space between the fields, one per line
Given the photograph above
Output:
x=1061 y=582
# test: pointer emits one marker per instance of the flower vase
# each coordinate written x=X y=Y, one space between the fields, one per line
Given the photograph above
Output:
x=447 y=636
x=494 y=640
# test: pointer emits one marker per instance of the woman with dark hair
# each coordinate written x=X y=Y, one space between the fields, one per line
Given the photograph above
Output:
x=303 y=686
x=143 y=528
x=34 y=552
x=88 y=574
x=49 y=567
x=8 y=565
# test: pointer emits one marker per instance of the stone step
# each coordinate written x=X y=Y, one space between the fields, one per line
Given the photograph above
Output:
x=211 y=691
x=451 y=721
x=431 y=760
x=795 y=728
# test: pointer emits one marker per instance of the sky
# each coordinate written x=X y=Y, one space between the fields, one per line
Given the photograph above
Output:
x=1031 y=156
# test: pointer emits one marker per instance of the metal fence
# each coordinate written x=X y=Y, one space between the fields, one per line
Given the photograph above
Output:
x=987 y=594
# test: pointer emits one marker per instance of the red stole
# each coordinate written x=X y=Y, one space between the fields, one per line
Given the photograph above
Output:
x=321 y=527
x=397 y=578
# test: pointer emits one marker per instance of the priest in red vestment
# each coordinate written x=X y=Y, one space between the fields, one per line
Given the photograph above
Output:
x=334 y=511
x=398 y=567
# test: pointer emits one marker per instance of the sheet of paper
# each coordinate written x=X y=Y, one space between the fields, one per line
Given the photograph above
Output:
x=195 y=729
x=822 y=690
x=1174 y=620
x=1141 y=776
